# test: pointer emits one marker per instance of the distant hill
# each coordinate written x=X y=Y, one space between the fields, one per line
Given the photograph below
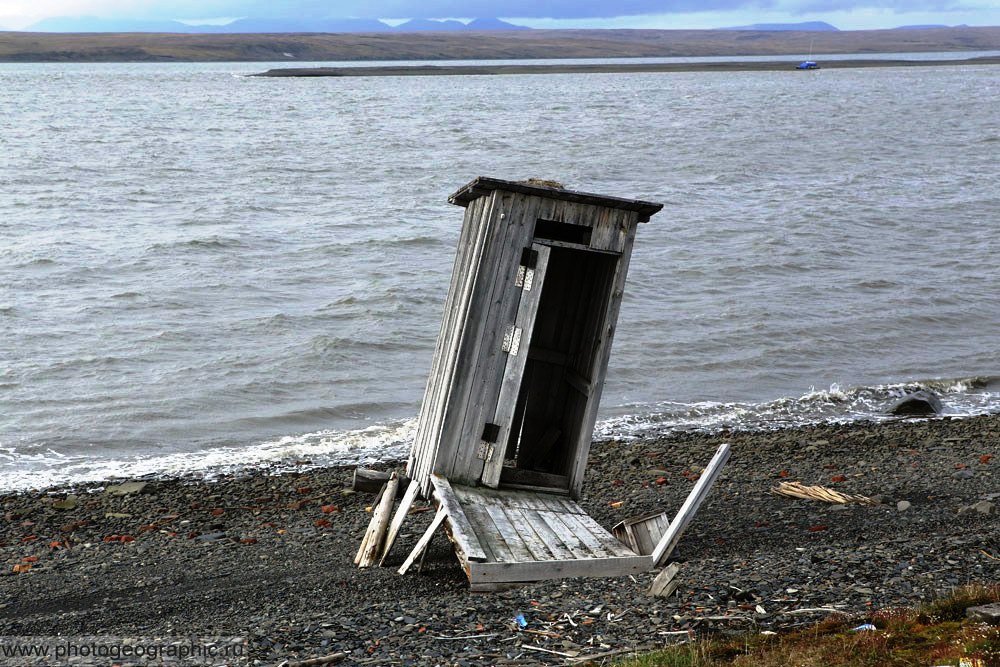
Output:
x=68 y=24
x=433 y=25
x=429 y=25
x=494 y=24
x=472 y=45
x=250 y=25
x=811 y=26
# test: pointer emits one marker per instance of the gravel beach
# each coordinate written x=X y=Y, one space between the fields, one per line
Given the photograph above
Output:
x=269 y=557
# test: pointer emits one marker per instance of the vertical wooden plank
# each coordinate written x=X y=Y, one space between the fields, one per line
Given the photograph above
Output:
x=497 y=313
x=570 y=539
x=510 y=387
x=456 y=307
x=468 y=344
x=537 y=524
x=462 y=531
x=486 y=529
x=610 y=230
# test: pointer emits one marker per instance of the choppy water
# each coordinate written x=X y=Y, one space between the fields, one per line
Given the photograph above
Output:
x=199 y=268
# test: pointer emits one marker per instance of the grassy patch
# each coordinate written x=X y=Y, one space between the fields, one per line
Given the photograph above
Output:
x=936 y=633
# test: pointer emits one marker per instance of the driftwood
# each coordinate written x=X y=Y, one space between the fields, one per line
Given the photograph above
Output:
x=371 y=545
x=311 y=662
x=367 y=480
x=324 y=660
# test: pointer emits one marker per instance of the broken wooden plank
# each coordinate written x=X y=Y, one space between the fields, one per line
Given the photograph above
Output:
x=666 y=581
x=398 y=518
x=459 y=527
x=690 y=507
x=424 y=540
x=371 y=546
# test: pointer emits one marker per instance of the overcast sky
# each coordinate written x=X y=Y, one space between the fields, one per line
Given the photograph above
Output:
x=845 y=14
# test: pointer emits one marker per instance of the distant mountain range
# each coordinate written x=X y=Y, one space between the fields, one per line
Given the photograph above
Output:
x=251 y=25
x=810 y=26
x=91 y=24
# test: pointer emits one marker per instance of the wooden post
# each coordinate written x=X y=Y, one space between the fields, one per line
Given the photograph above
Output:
x=690 y=507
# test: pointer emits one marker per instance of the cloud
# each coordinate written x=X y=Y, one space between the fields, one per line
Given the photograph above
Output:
x=567 y=10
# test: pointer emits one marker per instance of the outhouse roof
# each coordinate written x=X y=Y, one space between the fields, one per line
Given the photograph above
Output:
x=484 y=185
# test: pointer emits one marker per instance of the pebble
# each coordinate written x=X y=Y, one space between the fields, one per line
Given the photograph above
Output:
x=903 y=505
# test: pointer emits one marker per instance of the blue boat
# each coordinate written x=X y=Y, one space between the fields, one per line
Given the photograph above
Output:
x=807 y=64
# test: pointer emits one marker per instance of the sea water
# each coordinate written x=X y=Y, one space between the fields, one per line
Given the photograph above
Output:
x=201 y=270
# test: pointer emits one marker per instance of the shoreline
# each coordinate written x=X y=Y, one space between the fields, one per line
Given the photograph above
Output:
x=621 y=68
x=269 y=557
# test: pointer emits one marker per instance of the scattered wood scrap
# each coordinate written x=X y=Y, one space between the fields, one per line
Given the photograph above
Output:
x=666 y=581
x=822 y=493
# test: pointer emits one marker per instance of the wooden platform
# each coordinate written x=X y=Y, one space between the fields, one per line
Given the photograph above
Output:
x=504 y=536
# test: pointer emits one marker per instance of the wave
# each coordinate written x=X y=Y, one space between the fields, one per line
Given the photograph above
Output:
x=213 y=242
x=962 y=397
x=53 y=469
x=46 y=468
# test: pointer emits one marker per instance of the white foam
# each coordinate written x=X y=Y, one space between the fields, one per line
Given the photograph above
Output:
x=378 y=442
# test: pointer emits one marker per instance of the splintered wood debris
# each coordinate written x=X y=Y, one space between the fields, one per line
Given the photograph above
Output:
x=825 y=494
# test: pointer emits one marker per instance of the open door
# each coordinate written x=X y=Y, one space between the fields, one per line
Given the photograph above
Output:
x=517 y=342
x=543 y=421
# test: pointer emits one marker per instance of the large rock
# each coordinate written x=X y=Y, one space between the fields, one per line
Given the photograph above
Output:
x=987 y=613
x=125 y=489
x=919 y=403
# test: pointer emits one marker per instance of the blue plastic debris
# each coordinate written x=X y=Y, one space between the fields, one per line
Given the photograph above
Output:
x=864 y=627
x=521 y=621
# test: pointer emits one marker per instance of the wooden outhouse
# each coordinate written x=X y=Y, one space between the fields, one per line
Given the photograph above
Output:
x=509 y=409
x=523 y=350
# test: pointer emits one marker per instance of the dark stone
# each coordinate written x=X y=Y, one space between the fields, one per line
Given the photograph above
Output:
x=919 y=403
